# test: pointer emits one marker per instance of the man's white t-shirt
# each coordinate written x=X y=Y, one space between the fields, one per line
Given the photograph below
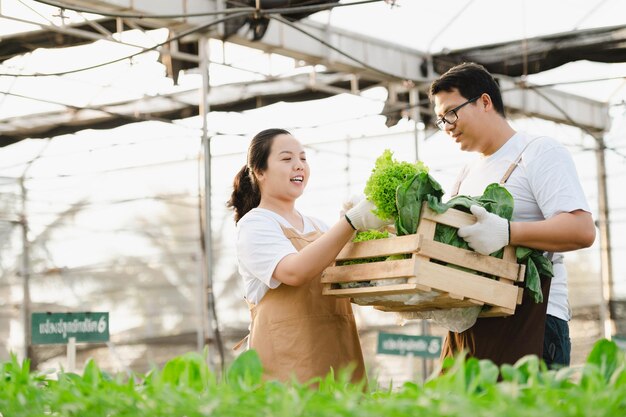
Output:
x=261 y=245
x=544 y=184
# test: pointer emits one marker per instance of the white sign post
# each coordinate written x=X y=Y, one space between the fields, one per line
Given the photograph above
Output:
x=71 y=354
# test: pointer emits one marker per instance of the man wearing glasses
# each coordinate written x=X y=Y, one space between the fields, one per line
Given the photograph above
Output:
x=550 y=213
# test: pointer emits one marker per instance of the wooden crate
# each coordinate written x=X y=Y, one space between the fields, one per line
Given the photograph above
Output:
x=453 y=287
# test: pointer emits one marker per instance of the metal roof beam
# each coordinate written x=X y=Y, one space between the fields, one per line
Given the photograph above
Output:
x=554 y=105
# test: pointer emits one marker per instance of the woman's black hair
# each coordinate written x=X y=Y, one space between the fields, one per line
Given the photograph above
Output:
x=246 y=194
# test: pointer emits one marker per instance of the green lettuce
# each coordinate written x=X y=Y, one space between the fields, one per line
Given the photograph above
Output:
x=382 y=184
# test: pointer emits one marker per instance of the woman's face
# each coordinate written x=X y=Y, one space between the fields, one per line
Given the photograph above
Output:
x=287 y=170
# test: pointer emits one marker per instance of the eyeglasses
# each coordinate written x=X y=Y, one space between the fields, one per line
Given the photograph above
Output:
x=451 y=116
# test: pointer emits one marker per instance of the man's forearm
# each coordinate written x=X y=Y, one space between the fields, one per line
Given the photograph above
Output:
x=561 y=233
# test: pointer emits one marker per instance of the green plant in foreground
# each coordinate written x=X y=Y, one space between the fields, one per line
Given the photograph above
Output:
x=186 y=387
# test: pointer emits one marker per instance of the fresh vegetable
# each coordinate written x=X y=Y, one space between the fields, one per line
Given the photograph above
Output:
x=496 y=199
x=398 y=189
x=386 y=176
x=409 y=196
x=366 y=235
x=186 y=387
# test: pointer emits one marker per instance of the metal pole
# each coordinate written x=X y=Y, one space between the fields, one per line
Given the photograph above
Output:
x=606 y=270
x=25 y=271
x=347 y=168
x=414 y=103
x=417 y=119
x=207 y=284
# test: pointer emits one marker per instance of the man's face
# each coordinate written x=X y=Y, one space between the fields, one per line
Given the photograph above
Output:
x=463 y=124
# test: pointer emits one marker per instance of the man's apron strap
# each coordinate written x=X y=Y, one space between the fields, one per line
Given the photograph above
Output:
x=552 y=257
x=515 y=163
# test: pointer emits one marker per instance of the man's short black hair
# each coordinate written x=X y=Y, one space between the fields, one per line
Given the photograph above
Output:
x=471 y=80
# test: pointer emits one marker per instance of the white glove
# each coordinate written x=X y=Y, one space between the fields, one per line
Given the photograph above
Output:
x=489 y=234
x=362 y=218
x=351 y=202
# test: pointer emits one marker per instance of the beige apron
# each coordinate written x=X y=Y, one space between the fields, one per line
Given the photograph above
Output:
x=299 y=332
x=504 y=339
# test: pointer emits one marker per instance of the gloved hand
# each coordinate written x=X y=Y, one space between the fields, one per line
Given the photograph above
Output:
x=489 y=234
x=351 y=202
x=362 y=218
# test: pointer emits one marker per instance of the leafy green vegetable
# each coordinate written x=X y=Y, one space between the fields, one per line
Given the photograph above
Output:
x=386 y=176
x=495 y=199
x=372 y=234
x=398 y=189
x=409 y=197
x=466 y=387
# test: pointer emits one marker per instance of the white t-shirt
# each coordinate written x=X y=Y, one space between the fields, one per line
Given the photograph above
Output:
x=544 y=184
x=261 y=245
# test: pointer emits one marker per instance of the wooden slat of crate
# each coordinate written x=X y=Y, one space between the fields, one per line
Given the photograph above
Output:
x=442 y=301
x=451 y=217
x=380 y=247
x=496 y=312
x=509 y=255
x=403 y=268
x=447 y=279
x=492 y=312
x=424 y=275
x=469 y=259
x=416 y=244
x=374 y=291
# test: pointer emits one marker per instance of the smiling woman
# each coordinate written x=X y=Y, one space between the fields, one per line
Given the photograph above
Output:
x=281 y=253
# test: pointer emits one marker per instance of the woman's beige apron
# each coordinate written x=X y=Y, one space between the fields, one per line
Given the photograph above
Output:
x=298 y=332
x=504 y=339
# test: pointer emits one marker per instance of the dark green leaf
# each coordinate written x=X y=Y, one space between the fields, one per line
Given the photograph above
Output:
x=606 y=356
x=533 y=282
x=246 y=369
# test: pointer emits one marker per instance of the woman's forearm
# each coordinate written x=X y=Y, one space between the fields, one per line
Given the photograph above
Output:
x=299 y=268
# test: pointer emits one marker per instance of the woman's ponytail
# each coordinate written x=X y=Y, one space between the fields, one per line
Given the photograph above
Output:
x=245 y=195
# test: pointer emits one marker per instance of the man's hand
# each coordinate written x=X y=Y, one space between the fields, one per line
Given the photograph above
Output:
x=489 y=234
x=361 y=217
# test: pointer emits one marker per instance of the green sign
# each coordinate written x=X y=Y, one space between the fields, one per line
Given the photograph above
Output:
x=56 y=328
x=404 y=345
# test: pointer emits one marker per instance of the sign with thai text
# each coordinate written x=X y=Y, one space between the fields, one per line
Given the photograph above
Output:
x=56 y=328
x=404 y=345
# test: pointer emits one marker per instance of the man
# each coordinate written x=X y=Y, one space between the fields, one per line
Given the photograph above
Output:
x=550 y=213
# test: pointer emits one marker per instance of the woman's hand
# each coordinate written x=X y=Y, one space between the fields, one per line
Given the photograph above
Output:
x=362 y=217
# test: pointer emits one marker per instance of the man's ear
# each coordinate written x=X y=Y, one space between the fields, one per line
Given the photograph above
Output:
x=485 y=101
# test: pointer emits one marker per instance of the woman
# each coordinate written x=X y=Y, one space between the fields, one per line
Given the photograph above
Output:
x=296 y=331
